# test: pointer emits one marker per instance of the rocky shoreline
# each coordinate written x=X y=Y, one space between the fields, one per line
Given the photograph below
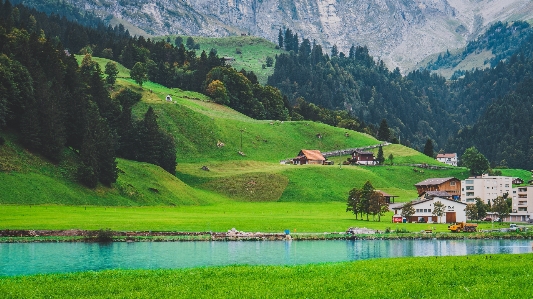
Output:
x=75 y=235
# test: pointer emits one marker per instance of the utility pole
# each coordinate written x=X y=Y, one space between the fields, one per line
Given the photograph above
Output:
x=242 y=130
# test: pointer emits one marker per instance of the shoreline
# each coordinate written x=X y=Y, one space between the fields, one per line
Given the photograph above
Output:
x=105 y=236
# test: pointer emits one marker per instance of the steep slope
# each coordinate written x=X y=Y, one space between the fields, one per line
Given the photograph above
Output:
x=400 y=32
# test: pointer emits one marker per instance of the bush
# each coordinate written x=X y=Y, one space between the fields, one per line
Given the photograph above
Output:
x=104 y=235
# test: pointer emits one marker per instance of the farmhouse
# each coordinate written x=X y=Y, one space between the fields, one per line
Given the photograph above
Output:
x=362 y=158
x=450 y=159
x=309 y=157
x=454 y=211
x=451 y=185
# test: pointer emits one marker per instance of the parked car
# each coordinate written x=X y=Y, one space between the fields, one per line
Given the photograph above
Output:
x=487 y=219
x=530 y=220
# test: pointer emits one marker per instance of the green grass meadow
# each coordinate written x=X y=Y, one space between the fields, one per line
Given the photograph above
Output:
x=472 y=276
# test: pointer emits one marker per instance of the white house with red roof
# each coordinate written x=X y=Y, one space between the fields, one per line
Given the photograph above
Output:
x=450 y=159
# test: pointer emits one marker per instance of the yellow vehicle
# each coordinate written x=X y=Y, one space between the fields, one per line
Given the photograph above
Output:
x=463 y=227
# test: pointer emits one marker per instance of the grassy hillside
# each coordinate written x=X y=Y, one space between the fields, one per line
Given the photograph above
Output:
x=254 y=51
x=238 y=184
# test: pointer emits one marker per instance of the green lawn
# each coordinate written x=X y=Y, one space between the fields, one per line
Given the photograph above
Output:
x=473 y=276
x=220 y=217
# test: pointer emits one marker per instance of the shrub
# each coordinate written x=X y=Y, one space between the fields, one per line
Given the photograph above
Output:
x=104 y=235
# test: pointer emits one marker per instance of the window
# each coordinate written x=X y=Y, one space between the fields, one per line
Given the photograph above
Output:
x=452 y=183
x=469 y=193
x=469 y=181
x=469 y=187
x=429 y=210
x=470 y=200
x=506 y=185
x=425 y=210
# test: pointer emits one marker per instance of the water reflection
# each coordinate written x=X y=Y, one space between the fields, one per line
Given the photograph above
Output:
x=32 y=258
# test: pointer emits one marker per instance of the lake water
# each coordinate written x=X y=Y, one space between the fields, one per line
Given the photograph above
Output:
x=33 y=258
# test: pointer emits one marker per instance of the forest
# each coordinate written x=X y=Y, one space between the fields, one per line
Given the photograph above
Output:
x=53 y=103
x=454 y=114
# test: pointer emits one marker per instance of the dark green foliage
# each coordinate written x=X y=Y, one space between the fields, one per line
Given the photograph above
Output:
x=179 y=41
x=104 y=235
x=367 y=89
x=366 y=201
x=97 y=152
x=154 y=145
x=127 y=97
x=383 y=131
x=475 y=161
x=269 y=61
x=139 y=73
x=428 y=148
x=111 y=71
x=500 y=207
x=380 y=158
x=481 y=209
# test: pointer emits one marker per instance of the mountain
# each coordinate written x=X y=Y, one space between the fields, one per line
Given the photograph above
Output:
x=399 y=32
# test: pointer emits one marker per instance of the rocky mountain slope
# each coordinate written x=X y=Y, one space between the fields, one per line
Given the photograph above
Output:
x=401 y=32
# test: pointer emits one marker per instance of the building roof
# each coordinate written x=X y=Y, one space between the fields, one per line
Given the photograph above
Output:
x=386 y=194
x=454 y=155
x=419 y=201
x=361 y=152
x=437 y=194
x=312 y=155
x=434 y=181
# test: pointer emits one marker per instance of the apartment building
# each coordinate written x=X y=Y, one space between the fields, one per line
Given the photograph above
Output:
x=485 y=187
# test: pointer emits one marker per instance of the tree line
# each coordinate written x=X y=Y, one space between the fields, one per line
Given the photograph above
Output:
x=54 y=104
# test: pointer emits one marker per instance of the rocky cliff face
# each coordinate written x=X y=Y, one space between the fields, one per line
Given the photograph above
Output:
x=401 y=32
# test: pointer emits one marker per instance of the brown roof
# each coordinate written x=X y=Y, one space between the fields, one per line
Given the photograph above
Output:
x=434 y=181
x=312 y=155
x=454 y=155
x=386 y=194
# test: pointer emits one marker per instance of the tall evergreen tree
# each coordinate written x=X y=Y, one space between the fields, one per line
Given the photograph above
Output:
x=380 y=158
x=428 y=148
x=280 y=38
x=383 y=131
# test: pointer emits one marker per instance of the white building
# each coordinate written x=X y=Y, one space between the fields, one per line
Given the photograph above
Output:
x=522 y=209
x=450 y=159
x=485 y=187
x=454 y=211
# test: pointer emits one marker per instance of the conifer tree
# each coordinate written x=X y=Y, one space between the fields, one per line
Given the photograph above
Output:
x=428 y=148
x=383 y=131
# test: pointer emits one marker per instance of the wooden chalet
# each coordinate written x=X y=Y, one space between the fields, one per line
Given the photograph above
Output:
x=451 y=185
x=363 y=158
x=309 y=157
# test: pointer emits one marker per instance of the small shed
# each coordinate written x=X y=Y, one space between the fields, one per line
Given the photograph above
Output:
x=388 y=198
x=309 y=157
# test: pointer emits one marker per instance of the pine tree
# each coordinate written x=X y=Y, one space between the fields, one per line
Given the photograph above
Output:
x=280 y=38
x=380 y=158
x=150 y=148
x=428 y=148
x=383 y=131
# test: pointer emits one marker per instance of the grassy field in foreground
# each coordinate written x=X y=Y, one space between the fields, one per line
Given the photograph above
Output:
x=244 y=216
x=474 y=276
